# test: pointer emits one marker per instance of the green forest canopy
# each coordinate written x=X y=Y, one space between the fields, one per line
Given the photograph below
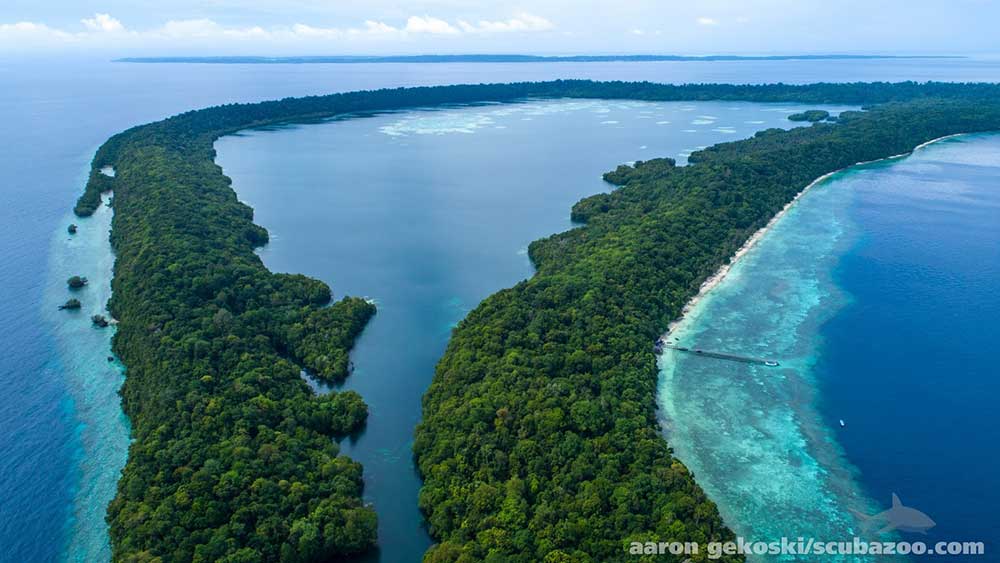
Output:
x=810 y=115
x=539 y=439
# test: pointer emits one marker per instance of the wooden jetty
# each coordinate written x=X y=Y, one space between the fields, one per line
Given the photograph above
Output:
x=660 y=345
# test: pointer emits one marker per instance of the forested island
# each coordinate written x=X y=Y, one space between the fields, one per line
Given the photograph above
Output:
x=539 y=440
x=812 y=115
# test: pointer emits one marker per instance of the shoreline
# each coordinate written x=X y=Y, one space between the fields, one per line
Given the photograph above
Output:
x=80 y=352
x=712 y=281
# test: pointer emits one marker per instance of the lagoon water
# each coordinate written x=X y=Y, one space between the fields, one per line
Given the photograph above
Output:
x=429 y=212
x=62 y=436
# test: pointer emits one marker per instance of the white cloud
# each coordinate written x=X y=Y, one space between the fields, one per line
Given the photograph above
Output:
x=106 y=31
x=26 y=27
x=102 y=22
x=189 y=28
x=379 y=27
x=637 y=32
x=205 y=29
x=26 y=33
x=304 y=30
x=522 y=22
x=427 y=24
x=707 y=21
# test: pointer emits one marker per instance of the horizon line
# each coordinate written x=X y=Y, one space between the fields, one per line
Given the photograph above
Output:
x=501 y=58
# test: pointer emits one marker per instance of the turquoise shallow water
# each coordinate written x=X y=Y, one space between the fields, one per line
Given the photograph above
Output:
x=81 y=355
x=851 y=291
x=751 y=433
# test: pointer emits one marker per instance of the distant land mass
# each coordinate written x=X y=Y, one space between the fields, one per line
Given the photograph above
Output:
x=344 y=59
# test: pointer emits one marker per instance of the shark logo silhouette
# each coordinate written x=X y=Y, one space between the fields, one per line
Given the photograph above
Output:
x=899 y=517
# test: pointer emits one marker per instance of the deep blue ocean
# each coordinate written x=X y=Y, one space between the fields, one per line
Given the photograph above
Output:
x=910 y=360
x=62 y=436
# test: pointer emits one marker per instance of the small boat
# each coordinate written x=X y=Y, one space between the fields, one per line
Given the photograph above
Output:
x=842 y=423
x=770 y=363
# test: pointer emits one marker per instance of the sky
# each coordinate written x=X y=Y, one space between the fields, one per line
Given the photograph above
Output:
x=350 y=27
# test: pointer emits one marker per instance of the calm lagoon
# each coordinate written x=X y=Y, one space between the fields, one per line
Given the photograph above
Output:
x=429 y=212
